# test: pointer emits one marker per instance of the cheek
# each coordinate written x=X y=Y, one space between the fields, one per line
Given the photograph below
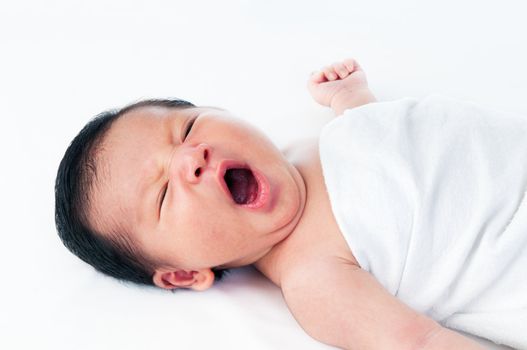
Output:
x=230 y=131
x=205 y=225
x=216 y=225
x=212 y=247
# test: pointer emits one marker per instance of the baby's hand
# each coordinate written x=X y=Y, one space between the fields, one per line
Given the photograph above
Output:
x=341 y=85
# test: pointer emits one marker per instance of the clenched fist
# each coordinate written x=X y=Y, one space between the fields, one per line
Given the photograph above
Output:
x=340 y=86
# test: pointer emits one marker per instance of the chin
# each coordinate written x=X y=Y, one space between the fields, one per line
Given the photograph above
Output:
x=290 y=212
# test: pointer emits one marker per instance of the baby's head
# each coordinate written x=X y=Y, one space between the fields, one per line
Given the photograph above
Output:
x=165 y=193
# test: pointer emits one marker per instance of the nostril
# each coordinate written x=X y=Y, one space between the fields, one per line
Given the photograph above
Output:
x=197 y=172
x=205 y=154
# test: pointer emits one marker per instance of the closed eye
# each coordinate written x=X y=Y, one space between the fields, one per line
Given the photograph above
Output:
x=163 y=198
x=189 y=127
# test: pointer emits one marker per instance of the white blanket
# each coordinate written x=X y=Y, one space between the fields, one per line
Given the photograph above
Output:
x=430 y=197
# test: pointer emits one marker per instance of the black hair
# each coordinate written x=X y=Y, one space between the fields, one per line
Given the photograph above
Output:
x=76 y=178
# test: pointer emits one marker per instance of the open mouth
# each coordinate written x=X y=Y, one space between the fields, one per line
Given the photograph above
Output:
x=247 y=187
x=242 y=185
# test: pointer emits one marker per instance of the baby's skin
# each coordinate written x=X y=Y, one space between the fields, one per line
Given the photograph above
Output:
x=332 y=298
x=168 y=193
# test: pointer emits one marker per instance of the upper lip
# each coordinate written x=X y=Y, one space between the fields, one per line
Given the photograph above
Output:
x=222 y=169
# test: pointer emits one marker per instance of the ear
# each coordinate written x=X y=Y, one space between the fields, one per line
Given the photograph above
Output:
x=171 y=279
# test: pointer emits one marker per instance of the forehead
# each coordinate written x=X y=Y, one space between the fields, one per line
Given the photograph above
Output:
x=133 y=137
x=143 y=120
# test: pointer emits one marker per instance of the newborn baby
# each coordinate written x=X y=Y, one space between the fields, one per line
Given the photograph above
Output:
x=379 y=234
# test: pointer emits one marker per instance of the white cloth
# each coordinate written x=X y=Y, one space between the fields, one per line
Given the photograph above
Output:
x=429 y=195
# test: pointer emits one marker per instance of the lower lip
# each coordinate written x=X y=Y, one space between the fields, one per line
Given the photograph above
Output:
x=264 y=192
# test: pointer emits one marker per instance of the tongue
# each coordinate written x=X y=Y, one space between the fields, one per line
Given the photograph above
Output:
x=242 y=184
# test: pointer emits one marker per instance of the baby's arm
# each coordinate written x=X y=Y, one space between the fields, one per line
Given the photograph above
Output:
x=342 y=305
x=341 y=86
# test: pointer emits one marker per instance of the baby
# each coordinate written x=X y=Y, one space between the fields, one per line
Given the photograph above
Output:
x=363 y=230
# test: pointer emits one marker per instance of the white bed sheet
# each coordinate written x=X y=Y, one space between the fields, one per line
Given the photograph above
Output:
x=65 y=61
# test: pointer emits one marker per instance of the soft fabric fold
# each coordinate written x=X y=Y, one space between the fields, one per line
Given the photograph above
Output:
x=429 y=195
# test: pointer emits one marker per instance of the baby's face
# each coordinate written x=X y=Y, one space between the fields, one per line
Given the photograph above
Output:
x=165 y=185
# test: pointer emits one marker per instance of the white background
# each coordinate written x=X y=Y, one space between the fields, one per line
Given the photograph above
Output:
x=62 y=62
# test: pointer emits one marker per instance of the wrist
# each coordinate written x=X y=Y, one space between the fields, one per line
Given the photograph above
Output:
x=347 y=99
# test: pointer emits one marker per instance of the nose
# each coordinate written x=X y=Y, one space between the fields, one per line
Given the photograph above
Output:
x=195 y=160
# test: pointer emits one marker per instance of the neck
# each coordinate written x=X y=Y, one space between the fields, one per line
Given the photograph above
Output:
x=316 y=235
x=273 y=263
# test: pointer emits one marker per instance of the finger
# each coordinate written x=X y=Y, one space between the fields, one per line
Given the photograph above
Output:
x=340 y=69
x=351 y=64
x=317 y=77
x=330 y=73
